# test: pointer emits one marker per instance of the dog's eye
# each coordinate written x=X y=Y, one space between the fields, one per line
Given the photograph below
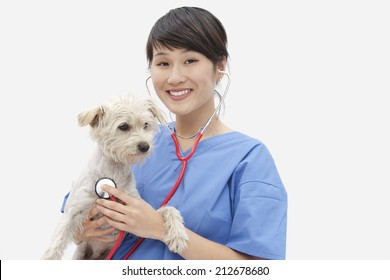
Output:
x=146 y=125
x=124 y=127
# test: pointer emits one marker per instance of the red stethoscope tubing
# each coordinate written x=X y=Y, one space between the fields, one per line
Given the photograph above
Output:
x=118 y=241
x=184 y=161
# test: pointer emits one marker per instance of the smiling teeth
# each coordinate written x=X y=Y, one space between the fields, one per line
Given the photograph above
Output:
x=179 y=93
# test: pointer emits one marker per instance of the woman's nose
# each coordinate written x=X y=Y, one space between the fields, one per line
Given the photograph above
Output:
x=176 y=76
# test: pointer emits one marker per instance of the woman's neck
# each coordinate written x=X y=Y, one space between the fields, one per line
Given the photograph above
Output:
x=190 y=128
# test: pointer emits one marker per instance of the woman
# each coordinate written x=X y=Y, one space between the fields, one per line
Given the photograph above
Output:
x=232 y=199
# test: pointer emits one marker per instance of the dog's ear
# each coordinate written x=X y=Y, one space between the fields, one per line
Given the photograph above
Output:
x=157 y=112
x=90 y=117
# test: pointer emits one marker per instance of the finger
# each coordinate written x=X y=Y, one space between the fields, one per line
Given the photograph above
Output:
x=110 y=214
x=106 y=239
x=107 y=231
x=98 y=223
x=96 y=232
x=92 y=213
x=119 y=194
x=118 y=225
x=111 y=205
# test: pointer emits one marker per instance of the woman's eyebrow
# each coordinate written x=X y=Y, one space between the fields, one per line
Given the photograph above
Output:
x=160 y=54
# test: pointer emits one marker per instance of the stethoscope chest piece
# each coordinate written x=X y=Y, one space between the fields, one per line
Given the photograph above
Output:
x=100 y=183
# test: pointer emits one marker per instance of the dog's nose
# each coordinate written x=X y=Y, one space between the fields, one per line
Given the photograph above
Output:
x=143 y=147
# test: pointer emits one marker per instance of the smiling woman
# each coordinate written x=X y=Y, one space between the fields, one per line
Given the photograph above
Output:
x=244 y=197
x=185 y=82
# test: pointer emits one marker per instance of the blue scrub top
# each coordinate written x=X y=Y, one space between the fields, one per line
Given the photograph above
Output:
x=231 y=193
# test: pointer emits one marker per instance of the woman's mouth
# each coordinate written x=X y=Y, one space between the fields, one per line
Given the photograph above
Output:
x=179 y=93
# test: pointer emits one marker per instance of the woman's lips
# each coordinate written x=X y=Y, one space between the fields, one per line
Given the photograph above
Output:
x=178 y=94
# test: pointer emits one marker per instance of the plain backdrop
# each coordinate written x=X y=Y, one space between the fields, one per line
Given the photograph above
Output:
x=311 y=79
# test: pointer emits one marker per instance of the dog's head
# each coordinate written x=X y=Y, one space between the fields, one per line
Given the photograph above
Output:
x=124 y=128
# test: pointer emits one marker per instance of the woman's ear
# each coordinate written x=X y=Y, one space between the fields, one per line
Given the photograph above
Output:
x=222 y=64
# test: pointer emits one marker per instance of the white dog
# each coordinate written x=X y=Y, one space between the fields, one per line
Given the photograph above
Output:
x=124 y=130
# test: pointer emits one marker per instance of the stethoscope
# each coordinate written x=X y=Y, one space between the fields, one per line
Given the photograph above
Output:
x=184 y=160
x=102 y=194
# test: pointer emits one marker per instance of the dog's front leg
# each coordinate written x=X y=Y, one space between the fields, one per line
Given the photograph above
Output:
x=70 y=223
x=60 y=240
x=176 y=237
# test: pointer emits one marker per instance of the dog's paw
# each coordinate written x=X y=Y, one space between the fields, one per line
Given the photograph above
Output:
x=51 y=255
x=176 y=237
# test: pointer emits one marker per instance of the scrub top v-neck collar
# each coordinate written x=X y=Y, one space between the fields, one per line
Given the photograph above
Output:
x=204 y=144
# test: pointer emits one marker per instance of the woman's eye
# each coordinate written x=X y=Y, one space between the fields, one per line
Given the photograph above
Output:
x=124 y=127
x=190 y=61
x=163 y=64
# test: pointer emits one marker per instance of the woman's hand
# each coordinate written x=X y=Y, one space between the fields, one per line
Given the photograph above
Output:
x=136 y=216
x=132 y=215
x=92 y=230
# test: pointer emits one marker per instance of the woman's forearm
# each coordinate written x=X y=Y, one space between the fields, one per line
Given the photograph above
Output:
x=200 y=248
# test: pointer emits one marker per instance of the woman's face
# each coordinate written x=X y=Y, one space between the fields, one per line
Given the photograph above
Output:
x=184 y=81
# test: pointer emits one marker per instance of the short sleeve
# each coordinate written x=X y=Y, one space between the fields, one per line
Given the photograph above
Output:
x=64 y=202
x=259 y=208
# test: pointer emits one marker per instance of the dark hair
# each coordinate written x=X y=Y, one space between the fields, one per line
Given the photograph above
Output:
x=191 y=28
